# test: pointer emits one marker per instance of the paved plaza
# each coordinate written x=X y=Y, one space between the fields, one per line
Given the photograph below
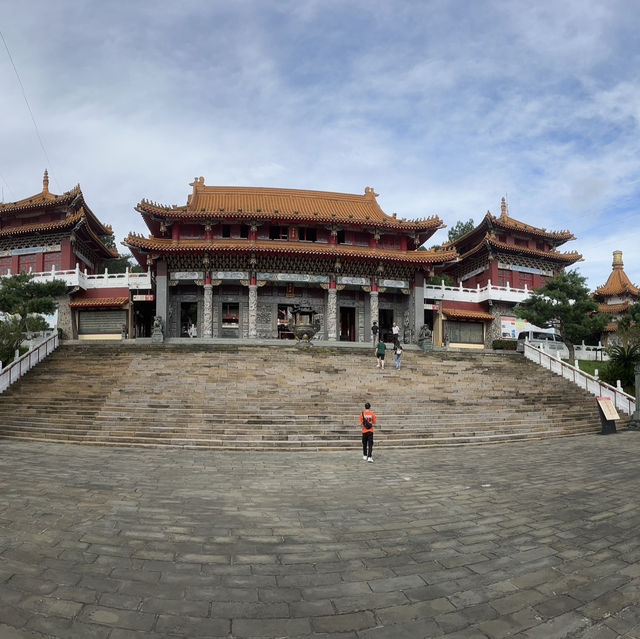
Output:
x=532 y=540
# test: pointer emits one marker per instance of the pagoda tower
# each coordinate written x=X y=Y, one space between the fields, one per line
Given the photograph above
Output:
x=615 y=296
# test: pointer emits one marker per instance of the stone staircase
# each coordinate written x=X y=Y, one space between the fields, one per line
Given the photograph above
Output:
x=232 y=396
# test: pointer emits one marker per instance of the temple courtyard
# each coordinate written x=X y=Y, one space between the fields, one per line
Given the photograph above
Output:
x=529 y=540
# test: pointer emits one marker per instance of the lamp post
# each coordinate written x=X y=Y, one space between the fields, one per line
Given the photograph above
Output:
x=635 y=418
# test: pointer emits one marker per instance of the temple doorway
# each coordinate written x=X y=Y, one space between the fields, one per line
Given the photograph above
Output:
x=188 y=319
x=347 y=324
x=385 y=316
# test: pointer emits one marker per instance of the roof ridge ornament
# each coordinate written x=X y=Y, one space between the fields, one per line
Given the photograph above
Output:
x=503 y=209
x=617 y=260
x=369 y=192
x=45 y=182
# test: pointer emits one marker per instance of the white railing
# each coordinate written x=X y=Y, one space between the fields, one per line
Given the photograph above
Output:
x=591 y=353
x=484 y=294
x=621 y=400
x=14 y=371
x=76 y=277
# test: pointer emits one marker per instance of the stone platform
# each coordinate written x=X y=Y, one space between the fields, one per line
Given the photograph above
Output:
x=532 y=540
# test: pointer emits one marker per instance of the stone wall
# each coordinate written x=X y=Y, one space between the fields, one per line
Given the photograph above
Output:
x=493 y=329
x=65 y=318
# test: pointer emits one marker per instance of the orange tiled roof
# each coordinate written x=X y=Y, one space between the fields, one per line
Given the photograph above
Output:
x=103 y=302
x=504 y=221
x=459 y=313
x=222 y=202
x=43 y=226
x=166 y=245
x=45 y=199
x=614 y=308
x=568 y=258
x=617 y=283
x=611 y=327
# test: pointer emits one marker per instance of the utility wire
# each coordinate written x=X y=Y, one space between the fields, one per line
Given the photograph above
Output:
x=24 y=95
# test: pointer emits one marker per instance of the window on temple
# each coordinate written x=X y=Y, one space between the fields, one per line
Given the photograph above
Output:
x=5 y=265
x=278 y=232
x=540 y=246
x=27 y=263
x=390 y=242
x=244 y=231
x=502 y=238
x=307 y=234
x=341 y=237
x=520 y=242
x=53 y=260
x=226 y=230
x=464 y=332
x=504 y=277
x=525 y=279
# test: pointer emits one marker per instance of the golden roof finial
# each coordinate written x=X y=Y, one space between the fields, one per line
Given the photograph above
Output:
x=617 y=259
x=503 y=208
x=45 y=182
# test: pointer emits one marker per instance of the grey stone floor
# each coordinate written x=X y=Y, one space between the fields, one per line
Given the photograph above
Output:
x=528 y=540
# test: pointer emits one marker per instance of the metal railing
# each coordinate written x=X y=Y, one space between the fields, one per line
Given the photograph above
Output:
x=14 y=371
x=621 y=400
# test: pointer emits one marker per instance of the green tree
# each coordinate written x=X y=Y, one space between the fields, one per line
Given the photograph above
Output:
x=460 y=228
x=622 y=360
x=21 y=296
x=564 y=301
x=121 y=263
x=436 y=280
x=631 y=317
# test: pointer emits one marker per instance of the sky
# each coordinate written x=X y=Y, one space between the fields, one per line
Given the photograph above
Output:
x=443 y=106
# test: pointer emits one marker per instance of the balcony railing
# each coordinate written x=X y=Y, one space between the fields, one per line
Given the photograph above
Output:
x=76 y=277
x=478 y=294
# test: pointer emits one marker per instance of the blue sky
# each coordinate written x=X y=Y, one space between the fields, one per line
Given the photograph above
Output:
x=442 y=106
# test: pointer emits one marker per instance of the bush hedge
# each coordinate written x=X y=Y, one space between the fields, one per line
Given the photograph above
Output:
x=504 y=344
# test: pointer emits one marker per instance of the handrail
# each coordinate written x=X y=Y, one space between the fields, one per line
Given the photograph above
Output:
x=14 y=371
x=623 y=401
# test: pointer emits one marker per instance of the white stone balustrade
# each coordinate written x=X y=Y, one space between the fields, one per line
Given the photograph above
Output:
x=76 y=277
x=477 y=295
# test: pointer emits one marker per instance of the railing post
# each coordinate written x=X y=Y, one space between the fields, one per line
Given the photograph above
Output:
x=635 y=418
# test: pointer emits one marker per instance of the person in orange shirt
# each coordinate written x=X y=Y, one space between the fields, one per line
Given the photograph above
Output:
x=367 y=420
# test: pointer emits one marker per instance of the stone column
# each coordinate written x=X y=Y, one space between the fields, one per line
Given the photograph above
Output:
x=373 y=307
x=635 y=418
x=162 y=291
x=417 y=302
x=207 y=315
x=253 y=311
x=332 y=310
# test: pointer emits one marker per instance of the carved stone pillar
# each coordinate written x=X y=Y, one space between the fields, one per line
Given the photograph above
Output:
x=332 y=314
x=373 y=308
x=207 y=315
x=253 y=311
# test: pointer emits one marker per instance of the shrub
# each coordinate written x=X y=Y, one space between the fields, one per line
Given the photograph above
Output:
x=504 y=344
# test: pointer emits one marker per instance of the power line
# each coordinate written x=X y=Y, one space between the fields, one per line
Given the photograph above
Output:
x=24 y=95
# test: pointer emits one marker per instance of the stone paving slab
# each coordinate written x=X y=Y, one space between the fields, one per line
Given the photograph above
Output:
x=527 y=540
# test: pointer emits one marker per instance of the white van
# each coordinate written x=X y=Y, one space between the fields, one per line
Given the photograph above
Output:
x=548 y=341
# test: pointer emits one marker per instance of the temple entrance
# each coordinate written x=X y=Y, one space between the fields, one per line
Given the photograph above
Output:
x=347 y=324
x=188 y=319
x=385 y=316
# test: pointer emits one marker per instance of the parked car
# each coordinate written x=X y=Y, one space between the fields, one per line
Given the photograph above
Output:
x=549 y=341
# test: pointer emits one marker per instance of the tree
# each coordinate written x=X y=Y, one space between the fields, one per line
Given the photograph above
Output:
x=460 y=229
x=631 y=317
x=564 y=301
x=21 y=296
x=436 y=280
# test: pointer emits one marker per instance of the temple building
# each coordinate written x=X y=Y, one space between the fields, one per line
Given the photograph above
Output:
x=59 y=237
x=615 y=296
x=235 y=261
x=500 y=261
